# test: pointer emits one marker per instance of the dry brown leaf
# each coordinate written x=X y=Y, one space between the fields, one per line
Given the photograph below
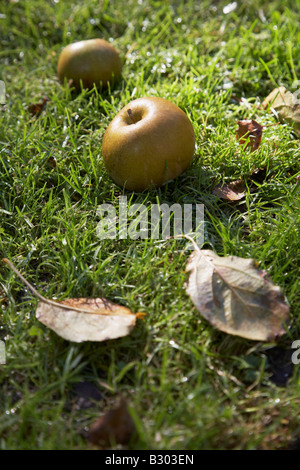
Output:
x=236 y=190
x=251 y=131
x=36 y=109
x=90 y=320
x=83 y=319
x=233 y=191
x=52 y=161
x=116 y=426
x=286 y=106
x=236 y=297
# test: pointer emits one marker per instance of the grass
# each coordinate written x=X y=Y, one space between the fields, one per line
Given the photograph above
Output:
x=188 y=385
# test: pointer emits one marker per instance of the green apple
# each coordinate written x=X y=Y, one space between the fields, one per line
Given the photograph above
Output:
x=149 y=142
x=90 y=61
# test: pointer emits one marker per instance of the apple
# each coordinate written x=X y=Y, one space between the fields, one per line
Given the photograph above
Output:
x=149 y=142
x=90 y=61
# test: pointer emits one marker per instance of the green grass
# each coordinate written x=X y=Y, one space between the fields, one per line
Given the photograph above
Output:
x=188 y=385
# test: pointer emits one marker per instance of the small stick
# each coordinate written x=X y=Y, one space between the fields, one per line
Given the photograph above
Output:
x=57 y=303
x=30 y=287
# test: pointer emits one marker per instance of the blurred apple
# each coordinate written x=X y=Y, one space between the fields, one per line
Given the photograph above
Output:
x=91 y=61
x=149 y=142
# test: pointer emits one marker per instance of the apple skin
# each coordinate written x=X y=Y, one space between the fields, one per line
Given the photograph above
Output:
x=149 y=142
x=91 y=61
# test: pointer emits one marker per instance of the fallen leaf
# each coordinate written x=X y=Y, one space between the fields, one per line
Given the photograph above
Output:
x=90 y=320
x=233 y=191
x=286 y=106
x=37 y=108
x=116 y=426
x=236 y=190
x=82 y=319
x=52 y=161
x=236 y=297
x=249 y=131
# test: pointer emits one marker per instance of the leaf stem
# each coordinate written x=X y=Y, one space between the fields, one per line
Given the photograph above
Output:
x=58 y=303
x=30 y=287
x=191 y=240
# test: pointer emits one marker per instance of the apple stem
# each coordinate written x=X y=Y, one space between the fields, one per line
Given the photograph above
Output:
x=130 y=114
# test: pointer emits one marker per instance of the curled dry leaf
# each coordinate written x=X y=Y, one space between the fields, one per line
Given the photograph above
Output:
x=116 y=426
x=37 y=108
x=83 y=319
x=233 y=191
x=251 y=131
x=236 y=190
x=286 y=106
x=236 y=297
